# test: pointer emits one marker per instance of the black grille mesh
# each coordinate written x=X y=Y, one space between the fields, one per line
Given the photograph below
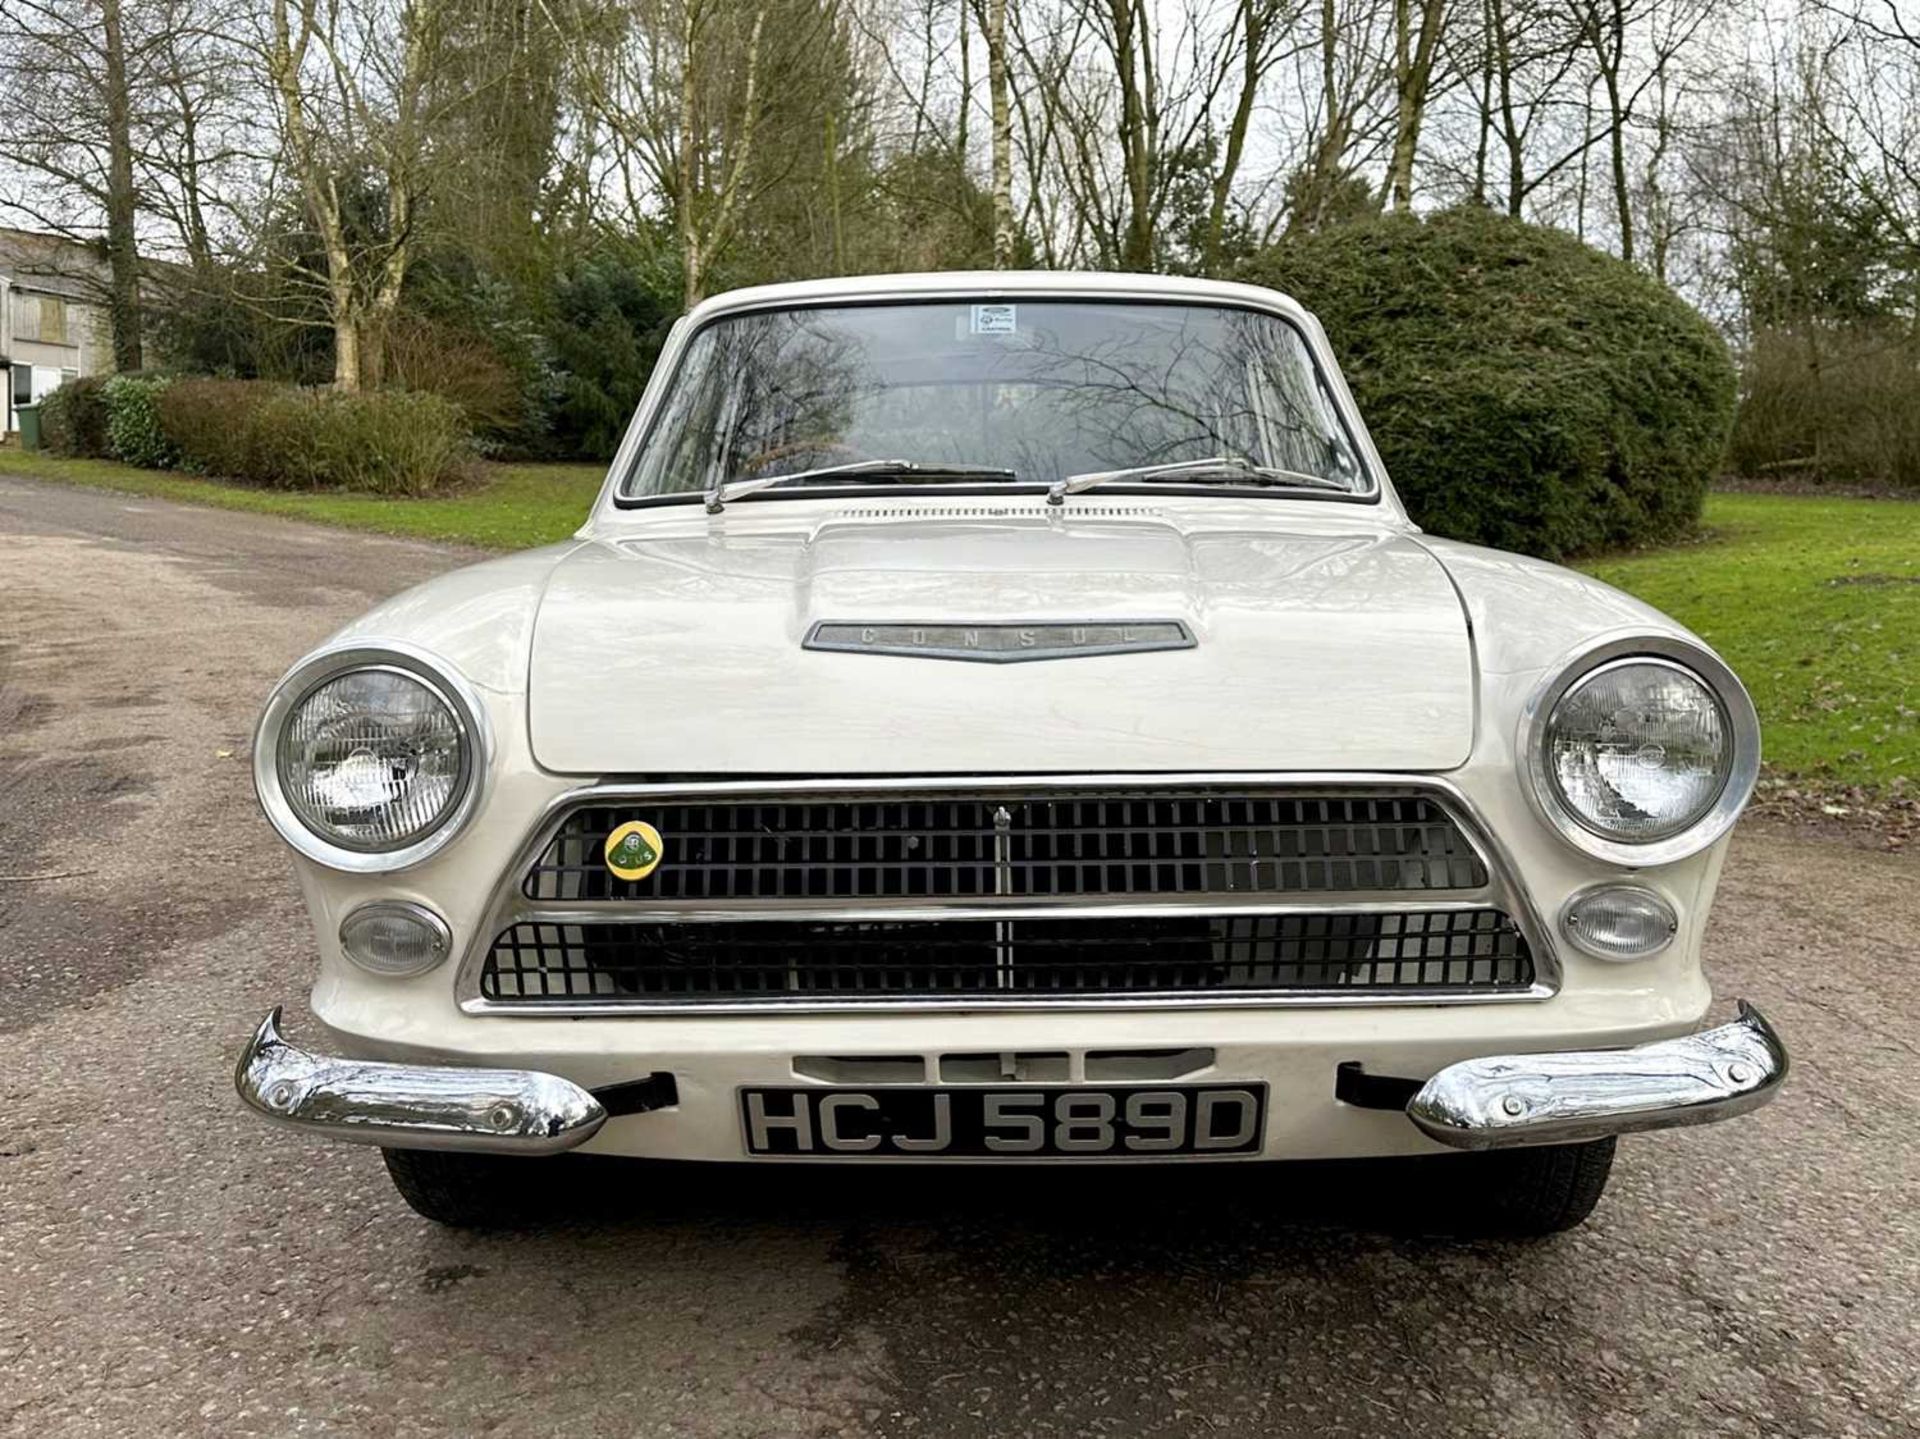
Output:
x=1454 y=950
x=1042 y=845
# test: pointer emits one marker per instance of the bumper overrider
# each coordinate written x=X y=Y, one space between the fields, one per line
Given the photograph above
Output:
x=1495 y=1102
x=414 y=1106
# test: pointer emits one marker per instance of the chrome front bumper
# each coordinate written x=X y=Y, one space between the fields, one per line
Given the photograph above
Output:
x=1556 y=1097
x=1572 y=1095
x=413 y=1106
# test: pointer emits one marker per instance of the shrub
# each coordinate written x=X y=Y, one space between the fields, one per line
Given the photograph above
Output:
x=388 y=442
x=133 y=421
x=73 y=419
x=611 y=317
x=211 y=425
x=1833 y=403
x=1526 y=391
x=384 y=442
x=462 y=366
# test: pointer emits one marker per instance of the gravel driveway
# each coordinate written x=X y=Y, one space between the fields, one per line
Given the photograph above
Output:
x=168 y=1265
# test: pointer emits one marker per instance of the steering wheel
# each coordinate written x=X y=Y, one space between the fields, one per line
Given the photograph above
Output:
x=825 y=452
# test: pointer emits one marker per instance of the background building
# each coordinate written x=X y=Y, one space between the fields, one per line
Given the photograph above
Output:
x=51 y=329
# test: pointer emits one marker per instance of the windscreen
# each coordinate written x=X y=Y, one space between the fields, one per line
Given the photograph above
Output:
x=1046 y=389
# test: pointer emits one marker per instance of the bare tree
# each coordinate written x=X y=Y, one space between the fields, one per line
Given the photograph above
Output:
x=1348 y=67
x=1533 y=48
x=1417 y=26
x=123 y=246
x=75 y=67
x=706 y=197
x=1873 y=121
x=993 y=20
x=1263 y=28
x=678 y=89
x=1136 y=122
x=1633 y=44
x=358 y=110
x=196 y=138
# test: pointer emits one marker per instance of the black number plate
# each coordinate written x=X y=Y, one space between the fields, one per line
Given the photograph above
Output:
x=1054 y=1122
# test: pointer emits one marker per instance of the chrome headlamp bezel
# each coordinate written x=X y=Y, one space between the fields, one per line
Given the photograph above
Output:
x=1743 y=733
x=328 y=664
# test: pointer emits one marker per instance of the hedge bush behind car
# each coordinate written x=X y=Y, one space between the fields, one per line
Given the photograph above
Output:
x=1830 y=403
x=73 y=419
x=133 y=421
x=382 y=442
x=1526 y=391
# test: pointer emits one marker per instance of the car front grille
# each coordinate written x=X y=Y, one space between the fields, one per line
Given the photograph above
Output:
x=1016 y=845
x=841 y=896
x=1401 y=951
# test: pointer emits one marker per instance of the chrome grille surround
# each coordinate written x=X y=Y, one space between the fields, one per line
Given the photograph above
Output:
x=513 y=906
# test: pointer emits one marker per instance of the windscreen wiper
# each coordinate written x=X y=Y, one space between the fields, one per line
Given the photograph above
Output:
x=721 y=491
x=1228 y=467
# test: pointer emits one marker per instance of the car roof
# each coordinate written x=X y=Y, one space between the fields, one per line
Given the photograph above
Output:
x=995 y=284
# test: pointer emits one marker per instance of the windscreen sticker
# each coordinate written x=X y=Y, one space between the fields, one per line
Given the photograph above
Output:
x=994 y=320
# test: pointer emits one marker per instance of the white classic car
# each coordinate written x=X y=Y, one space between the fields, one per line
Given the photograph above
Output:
x=997 y=719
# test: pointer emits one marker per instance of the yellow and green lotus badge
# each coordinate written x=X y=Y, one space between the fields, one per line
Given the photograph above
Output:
x=635 y=850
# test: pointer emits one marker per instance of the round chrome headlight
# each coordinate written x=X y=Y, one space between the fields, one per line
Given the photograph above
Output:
x=1638 y=750
x=1643 y=757
x=367 y=758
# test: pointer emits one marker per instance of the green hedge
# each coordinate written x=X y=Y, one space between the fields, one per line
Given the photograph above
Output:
x=383 y=442
x=1831 y=402
x=133 y=421
x=1526 y=391
x=73 y=419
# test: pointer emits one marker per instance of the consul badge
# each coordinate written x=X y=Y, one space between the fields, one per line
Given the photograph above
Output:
x=1002 y=643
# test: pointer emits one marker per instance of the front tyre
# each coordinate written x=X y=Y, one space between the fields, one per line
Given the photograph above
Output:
x=478 y=1191
x=1518 y=1193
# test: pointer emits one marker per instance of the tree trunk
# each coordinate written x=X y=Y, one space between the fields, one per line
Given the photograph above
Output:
x=836 y=234
x=1003 y=230
x=1483 y=140
x=1313 y=192
x=1253 y=25
x=966 y=89
x=346 y=348
x=1135 y=147
x=284 y=59
x=1586 y=170
x=123 y=246
x=1413 y=77
x=1617 y=144
x=1659 y=217
x=1609 y=42
x=692 y=271
x=1510 y=134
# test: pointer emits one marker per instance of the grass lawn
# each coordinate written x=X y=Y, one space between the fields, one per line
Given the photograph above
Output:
x=514 y=507
x=1815 y=602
